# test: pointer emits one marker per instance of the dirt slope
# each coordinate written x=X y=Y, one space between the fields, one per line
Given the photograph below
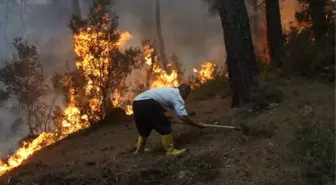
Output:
x=216 y=156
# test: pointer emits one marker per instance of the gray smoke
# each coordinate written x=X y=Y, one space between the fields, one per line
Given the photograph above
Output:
x=188 y=29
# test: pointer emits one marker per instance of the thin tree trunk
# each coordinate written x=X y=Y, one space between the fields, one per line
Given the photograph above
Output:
x=23 y=5
x=275 y=40
x=150 y=71
x=163 y=56
x=5 y=25
x=75 y=8
x=241 y=58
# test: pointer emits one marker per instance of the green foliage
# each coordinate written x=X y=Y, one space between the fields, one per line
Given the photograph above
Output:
x=24 y=80
x=311 y=47
x=310 y=58
x=23 y=75
x=317 y=16
x=314 y=147
x=264 y=93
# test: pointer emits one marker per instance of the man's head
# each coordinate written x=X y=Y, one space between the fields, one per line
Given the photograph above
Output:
x=184 y=90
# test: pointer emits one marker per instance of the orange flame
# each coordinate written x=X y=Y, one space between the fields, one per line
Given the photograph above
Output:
x=74 y=120
x=206 y=73
x=162 y=77
x=27 y=150
x=124 y=37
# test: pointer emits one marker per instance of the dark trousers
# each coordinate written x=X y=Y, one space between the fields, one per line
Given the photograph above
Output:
x=149 y=115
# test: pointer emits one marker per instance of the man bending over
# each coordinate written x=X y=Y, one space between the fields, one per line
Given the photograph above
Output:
x=149 y=113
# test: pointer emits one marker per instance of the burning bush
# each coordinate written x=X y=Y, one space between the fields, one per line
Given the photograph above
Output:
x=209 y=81
x=206 y=73
x=100 y=61
x=101 y=68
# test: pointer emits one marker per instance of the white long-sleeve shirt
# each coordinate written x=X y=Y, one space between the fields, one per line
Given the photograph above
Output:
x=168 y=97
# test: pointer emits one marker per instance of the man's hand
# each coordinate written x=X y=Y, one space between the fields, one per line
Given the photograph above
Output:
x=187 y=120
x=201 y=125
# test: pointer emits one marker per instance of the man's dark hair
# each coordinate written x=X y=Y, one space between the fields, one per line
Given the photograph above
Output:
x=185 y=87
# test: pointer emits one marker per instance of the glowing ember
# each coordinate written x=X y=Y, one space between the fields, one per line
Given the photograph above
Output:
x=115 y=98
x=226 y=75
x=129 y=110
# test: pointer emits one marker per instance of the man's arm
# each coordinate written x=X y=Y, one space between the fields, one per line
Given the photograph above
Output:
x=182 y=113
x=189 y=121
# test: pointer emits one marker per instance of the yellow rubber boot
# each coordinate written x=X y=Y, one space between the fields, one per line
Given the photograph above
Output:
x=141 y=145
x=167 y=142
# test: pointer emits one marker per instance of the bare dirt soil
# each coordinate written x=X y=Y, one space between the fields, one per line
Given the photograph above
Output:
x=103 y=155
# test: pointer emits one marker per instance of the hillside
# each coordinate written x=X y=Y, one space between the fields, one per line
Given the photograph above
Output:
x=263 y=156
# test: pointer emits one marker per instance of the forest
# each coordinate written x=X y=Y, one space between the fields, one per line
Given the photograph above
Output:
x=68 y=81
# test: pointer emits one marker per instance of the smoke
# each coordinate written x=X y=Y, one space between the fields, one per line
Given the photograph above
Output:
x=11 y=130
x=189 y=30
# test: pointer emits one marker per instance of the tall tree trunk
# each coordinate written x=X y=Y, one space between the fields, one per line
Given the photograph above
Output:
x=255 y=22
x=4 y=28
x=275 y=40
x=150 y=71
x=75 y=8
x=318 y=17
x=163 y=56
x=241 y=58
x=23 y=5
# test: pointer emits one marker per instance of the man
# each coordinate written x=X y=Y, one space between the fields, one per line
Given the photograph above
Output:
x=149 y=113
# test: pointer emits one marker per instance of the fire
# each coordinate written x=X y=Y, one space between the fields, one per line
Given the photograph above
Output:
x=124 y=37
x=129 y=110
x=162 y=77
x=96 y=73
x=27 y=150
x=206 y=72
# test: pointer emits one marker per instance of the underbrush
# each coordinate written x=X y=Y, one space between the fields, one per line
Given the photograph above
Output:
x=314 y=148
x=219 y=86
x=309 y=57
x=266 y=93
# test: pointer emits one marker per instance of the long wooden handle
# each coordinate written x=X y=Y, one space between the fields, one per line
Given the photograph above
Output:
x=220 y=126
